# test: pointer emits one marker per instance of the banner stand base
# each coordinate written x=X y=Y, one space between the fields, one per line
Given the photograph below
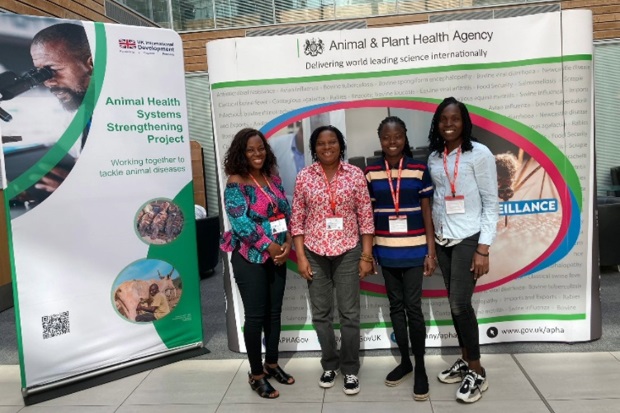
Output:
x=87 y=383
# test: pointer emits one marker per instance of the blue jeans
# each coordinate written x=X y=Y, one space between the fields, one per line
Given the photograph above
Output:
x=455 y=264
x=342 y=273
x=262 y=288
x=404 y=290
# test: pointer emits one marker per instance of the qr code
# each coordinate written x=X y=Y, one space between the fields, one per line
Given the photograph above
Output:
x=55 y=324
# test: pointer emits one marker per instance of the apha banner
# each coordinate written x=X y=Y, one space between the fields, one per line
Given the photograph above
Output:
x=527 y=82
x=97 y=157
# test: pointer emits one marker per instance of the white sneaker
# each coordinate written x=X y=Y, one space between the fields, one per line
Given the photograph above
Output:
x=351 y=384
x=454 y=374
x=472 y=386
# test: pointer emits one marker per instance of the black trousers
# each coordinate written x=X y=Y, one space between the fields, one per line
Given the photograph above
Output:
x=262 y=288
x=404 y=290
x=455 y=264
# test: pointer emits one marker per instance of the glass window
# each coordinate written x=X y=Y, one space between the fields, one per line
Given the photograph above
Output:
x=157 y=11
x=237 y=13
x=194 y=14
x=191 y=15
x=606 y=119
x=288 y=11
x=201 y=130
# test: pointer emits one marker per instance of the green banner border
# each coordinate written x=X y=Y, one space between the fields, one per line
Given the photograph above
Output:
x=448 y=322
x=176 y=254
x=402 y=72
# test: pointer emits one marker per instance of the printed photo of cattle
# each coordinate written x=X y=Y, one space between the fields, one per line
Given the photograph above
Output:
x=160 y=221
x=147 y=290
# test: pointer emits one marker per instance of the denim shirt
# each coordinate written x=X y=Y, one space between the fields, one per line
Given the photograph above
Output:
x=477 y=181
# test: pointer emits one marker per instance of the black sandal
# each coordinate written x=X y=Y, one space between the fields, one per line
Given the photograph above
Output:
x=277 y=373
x=262 y=387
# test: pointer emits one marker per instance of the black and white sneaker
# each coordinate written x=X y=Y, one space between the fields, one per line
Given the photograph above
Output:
x=472 y=386
x=328 y=379
x=351 y=384
x=454 y=374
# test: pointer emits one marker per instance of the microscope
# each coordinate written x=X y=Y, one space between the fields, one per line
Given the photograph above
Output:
x=12 y=85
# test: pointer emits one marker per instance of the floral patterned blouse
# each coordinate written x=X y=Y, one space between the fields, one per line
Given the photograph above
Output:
x=249 y=210
x=311 y=207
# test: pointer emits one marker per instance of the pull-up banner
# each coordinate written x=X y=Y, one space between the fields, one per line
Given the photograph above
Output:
x=99 y=196
x=527 y=82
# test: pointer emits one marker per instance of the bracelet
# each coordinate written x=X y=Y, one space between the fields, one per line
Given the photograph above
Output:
x=484 y=255
x=431 y=257
x=366 y=257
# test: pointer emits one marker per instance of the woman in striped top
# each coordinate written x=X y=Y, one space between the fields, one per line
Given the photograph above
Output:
x=400 y=189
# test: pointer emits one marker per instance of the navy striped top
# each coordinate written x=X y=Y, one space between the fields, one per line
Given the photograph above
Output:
x=406 y=249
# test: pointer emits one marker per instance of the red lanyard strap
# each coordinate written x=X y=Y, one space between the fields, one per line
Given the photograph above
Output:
x=395 y=195
x=269 y=197
x=456 y=169
x=331 y=192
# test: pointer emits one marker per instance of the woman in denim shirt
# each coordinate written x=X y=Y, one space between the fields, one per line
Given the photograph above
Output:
x=465 y=214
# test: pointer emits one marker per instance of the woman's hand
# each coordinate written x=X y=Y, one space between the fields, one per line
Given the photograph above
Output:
x=366 y=268
x=430 y=264
x=480 y=261
x=303 y=266
x=274 y=250
x=281 y=258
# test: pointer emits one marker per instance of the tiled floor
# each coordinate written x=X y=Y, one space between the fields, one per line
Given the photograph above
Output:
x=523 y=383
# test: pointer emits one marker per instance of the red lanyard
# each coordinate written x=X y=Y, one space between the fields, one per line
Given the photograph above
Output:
x=456 y=169
x=332 y=195
x=271 y=199
x=395 y=195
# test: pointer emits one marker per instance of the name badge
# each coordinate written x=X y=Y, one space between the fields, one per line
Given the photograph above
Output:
x=455 y=204
x=278 y=223
x=334 y=223
x=397 y=224
x=278 y=226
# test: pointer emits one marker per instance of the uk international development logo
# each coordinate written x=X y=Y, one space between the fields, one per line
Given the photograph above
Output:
x=314 y=47
x=127 y=44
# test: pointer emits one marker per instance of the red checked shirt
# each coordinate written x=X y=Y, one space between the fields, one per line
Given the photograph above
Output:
x=311 y=207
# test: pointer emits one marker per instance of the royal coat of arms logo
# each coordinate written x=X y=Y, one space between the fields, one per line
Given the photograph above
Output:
x=314 y=47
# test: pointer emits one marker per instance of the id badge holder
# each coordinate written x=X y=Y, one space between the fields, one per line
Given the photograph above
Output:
x=398 y=225
x=334 y=223
x=278 y=224
x=455 y=204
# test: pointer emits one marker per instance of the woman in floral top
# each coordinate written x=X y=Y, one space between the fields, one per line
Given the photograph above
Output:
x=331 y=208
x=259 y=240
